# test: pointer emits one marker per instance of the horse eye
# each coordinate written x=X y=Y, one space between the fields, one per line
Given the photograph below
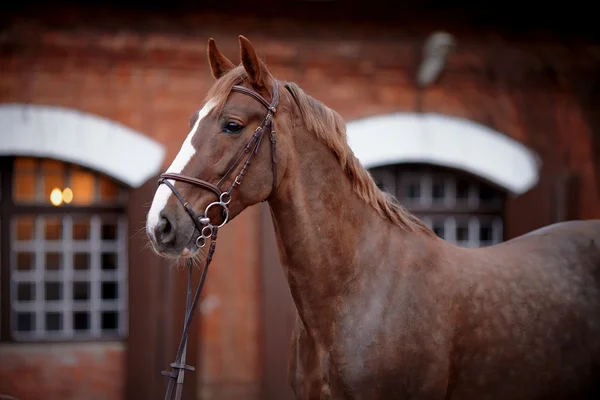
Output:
x=232 y=127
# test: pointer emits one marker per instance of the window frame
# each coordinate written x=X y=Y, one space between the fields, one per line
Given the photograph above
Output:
x=397 y=173
x=8 y=212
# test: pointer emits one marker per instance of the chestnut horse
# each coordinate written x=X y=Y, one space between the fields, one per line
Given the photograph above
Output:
x=386 y=309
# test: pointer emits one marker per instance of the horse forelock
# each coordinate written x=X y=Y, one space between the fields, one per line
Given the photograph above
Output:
x=221 y=89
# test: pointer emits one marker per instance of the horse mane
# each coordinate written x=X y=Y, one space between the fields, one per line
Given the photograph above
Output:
x=329 y=127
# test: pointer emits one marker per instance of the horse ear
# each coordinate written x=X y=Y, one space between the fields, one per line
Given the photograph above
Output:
x=255 y=69
x=219 y=64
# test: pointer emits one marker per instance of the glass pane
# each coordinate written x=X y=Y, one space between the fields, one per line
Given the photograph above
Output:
x=25 y=165
x=109 y=320
x=24 y=188
x=81 y=261
x=52 y=229
x=462 y=190
x=25 y=261
x=53 y=261
x=438 y=229
x=438 y=191
x=109 y=191
x=25 y=321
x=487 y=194
x=25 y=227
x=82 y=185
x=81 y=229
x=26 y=291
x=53 y=321
x=53 y=291
x=485 y=232
x=52 y=167
x=462 y=233
x=109 y=290
x=81 y=290
x=109 y=261
x=81 y=321
x=53 y=173
x=413 y=191
x=109 y=230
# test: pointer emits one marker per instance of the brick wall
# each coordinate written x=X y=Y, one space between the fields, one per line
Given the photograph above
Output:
x=62 y=371
x=153 y=81
x=230 y=329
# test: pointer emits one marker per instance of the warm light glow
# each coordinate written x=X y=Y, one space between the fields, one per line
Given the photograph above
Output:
x=67 y=195
x=56 y=197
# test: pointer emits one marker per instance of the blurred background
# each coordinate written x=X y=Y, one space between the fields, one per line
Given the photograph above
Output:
x=483 y=119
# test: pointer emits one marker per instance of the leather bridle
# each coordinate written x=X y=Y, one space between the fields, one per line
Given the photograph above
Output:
x=207 y=230
x=202 y=223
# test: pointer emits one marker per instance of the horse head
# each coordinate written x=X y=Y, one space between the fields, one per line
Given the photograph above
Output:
x=230 y=160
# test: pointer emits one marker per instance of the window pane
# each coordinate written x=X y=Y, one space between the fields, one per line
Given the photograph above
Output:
x=438 y=229
x=81 y=290
x=109 y=290
x=25 y=261
x=485 y=232
x=438 y=191
x=52 y=167
x=54 y=180
x=81 y=229
x=81 y=261
x=53 y=261
x=109 y=320
x=82 y=185
x=413 y=192
x=24 y=182
x=462 y=190
x=25 y=227
x=109 y=191
x=25 y=321
x=25 y=165
x=26 y=291
x=53 y=229
x=53 y=291
x=487 y=194
x=81 y=321
x=109 y=230
x=462 y=233
x=24 y=188
x=109 y=261
x=53 y=321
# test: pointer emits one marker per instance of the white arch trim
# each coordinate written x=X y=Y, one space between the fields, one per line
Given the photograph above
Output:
x=81 y=138
x=446 y=141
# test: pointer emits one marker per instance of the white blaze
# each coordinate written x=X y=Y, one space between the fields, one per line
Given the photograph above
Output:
x=184 y=156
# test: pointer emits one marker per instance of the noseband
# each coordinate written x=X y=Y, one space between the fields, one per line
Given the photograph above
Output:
x=208 y=230
x=202 y=223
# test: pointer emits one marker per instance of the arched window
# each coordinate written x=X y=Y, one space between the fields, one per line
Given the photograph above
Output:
x=457 y=206
x=63 y=251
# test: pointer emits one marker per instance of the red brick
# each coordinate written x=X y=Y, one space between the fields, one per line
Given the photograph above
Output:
x=62 y=371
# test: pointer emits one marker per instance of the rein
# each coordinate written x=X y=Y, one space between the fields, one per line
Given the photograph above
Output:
x=207 y=230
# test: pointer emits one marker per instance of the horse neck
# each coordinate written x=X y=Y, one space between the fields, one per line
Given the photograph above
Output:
x=328 y=237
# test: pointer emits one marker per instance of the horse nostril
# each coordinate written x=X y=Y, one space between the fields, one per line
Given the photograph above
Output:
x=165 y=232
x=164 y=226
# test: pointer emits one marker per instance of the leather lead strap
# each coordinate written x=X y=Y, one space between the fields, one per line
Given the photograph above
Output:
x=178 y=368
